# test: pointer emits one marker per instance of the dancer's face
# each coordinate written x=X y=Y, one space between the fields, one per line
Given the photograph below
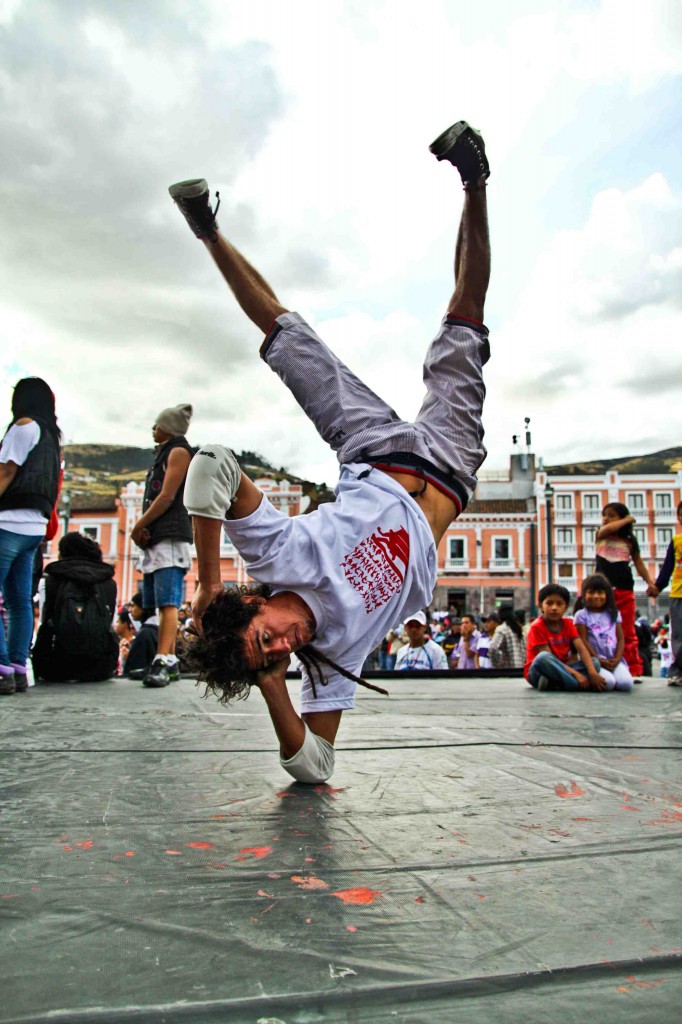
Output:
x=279 y=629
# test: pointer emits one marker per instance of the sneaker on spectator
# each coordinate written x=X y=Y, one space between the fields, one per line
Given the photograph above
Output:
x=157 y=675
x=7 y=683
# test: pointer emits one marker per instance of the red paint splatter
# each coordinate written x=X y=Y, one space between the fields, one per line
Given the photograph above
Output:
x=351 y=928
x=87 y=844
x=201 y=846
x=310 y=860
x=68 y=849
x=217 y=817
x=262 y=892
x=629 y=807
x=284 y=794
x=569 y=793
x=255 y=851
x=129 y=853
x=34 y=888
x=359 y=895
x=324 y=788
x=419 y=899
x=667 y=818
x=273 y=874
x=309 y=882
x=583 y=819
x=9 y=896
x=174 y=853
x=639 y=984
x=308 y=920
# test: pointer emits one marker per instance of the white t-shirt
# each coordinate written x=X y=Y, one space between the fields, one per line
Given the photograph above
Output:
x=361 y=564
x=428 y=657
x=16 y=445
x=167 y=554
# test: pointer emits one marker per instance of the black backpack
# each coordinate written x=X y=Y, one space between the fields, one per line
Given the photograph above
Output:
x=82 y=621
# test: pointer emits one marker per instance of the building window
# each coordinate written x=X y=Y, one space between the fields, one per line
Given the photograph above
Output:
x=564 y=570
x=663 y=502
x=640 y=533
x=456 y=548
x=565 y=535
x=564 y=502
x=591 y=502
x=664 y=534
x=589 y=536
x=501 y=548
x=635 y=502
x=91 y=531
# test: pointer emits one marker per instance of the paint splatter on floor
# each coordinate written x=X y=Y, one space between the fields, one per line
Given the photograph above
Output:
x=568 y=793
x=255 y=851
x=201 y=846
x=358 y=896
x=309 y=882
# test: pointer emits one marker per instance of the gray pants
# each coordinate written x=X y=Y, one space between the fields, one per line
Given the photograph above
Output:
x=676 y=635
x=360 y=427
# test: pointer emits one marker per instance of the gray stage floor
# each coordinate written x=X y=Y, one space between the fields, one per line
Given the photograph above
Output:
x=483 y=853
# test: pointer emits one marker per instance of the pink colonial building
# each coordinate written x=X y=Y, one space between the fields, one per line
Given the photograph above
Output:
x=501 y=550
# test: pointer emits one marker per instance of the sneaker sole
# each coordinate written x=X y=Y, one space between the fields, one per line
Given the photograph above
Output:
x=444 y=143
x=193 y=188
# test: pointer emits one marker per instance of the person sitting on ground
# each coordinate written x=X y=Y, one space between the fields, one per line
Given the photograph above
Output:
x=490 y=623
x=143 y=648
x=600 y=626
x=332 y=583
x=126 y=633
x=75 y=639
x=465 y=655
x=421 y=652
x=508 y=646
x=556 y=658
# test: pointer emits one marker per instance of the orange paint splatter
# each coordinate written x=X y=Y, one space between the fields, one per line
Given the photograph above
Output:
x=308 y=920
x=583 y=819
x=9 y=896
x=201 y=846
x=68 y=849
x=639 y=984
x=129 y=853
x=419 y=899
x=309 y=882
x=273 y=874
x=174 y=853
x=569 y=793
x=256 y=851
x=359 y=895
x=262 y=892
x=87 y=844
x=351 y=928
x=217 y=817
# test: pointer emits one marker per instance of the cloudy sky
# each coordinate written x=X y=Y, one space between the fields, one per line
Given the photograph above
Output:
x=313 y=120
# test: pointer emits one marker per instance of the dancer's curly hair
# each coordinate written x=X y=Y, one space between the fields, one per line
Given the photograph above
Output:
x=219 y=658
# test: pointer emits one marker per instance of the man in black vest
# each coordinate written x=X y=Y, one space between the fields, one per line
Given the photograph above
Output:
x=164 y=532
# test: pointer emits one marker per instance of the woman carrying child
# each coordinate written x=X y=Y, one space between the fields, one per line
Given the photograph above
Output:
x=599 y=624
x=617 y=547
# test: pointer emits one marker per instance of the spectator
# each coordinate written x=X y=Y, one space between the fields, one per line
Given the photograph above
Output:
x=645 y=641
x=671 y=572
x=465 y=654
x=556 y=658
x=143 y=648
x=29 y=480
x=508 y=645
x=164 y=532
x=490 y=624
x=520 y=616
x=76 y=639
x=599 y=624
x=666 y=653
x=421 y=652
x=126 y=633
x=395 y=642
x=452 y=636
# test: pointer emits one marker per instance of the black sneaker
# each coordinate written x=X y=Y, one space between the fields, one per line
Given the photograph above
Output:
x=193 y=199
x=173 y=672
x=21 y=682
x=7 y=684
x=463 y=146
x=157 y=674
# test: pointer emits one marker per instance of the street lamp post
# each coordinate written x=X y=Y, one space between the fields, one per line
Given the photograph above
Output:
x=549 y=495
x=66 y=510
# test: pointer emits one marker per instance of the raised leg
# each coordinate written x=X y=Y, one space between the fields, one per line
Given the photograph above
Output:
x=472 y=257
x=250 y=289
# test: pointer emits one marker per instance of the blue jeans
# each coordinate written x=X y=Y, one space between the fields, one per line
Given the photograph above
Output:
x=163 y=588
x=548 y=665
x=16 y=572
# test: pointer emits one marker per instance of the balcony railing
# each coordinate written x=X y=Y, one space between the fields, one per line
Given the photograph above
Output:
x=566 y=550
x=457 y=564
x=665 y=515
x=563 y=515
x=645 y=550
x=502 y=565
x=591 y=515
x=661 y=550
x=570 y=582
x=640 y=585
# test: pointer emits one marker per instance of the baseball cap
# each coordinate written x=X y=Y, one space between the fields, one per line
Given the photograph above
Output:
x=419 y=617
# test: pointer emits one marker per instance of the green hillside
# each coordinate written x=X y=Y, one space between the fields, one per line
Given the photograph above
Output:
x=667 y=461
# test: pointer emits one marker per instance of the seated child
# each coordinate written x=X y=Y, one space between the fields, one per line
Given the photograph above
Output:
x=551 y=663
x=600 y=627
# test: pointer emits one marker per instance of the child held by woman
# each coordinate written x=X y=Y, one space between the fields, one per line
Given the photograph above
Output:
x=617 y=547
x=600 y=627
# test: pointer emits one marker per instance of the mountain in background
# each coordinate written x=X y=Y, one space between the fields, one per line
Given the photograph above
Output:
x=95 y=474
x=667 y=461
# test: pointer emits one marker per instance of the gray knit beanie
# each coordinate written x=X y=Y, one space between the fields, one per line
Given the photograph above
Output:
x=175 y=419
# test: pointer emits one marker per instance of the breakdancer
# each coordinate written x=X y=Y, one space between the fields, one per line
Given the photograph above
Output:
x=332 y=583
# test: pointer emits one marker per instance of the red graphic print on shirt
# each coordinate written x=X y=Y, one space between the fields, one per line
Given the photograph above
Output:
x=376 y=567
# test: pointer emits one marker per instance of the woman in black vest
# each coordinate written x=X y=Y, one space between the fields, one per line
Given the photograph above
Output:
x=29 y=478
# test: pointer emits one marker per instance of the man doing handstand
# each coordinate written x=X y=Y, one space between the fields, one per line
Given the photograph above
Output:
x=332 y=583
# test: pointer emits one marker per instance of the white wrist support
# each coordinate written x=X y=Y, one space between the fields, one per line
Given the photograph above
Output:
x=212 y=481
x=314 y=762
